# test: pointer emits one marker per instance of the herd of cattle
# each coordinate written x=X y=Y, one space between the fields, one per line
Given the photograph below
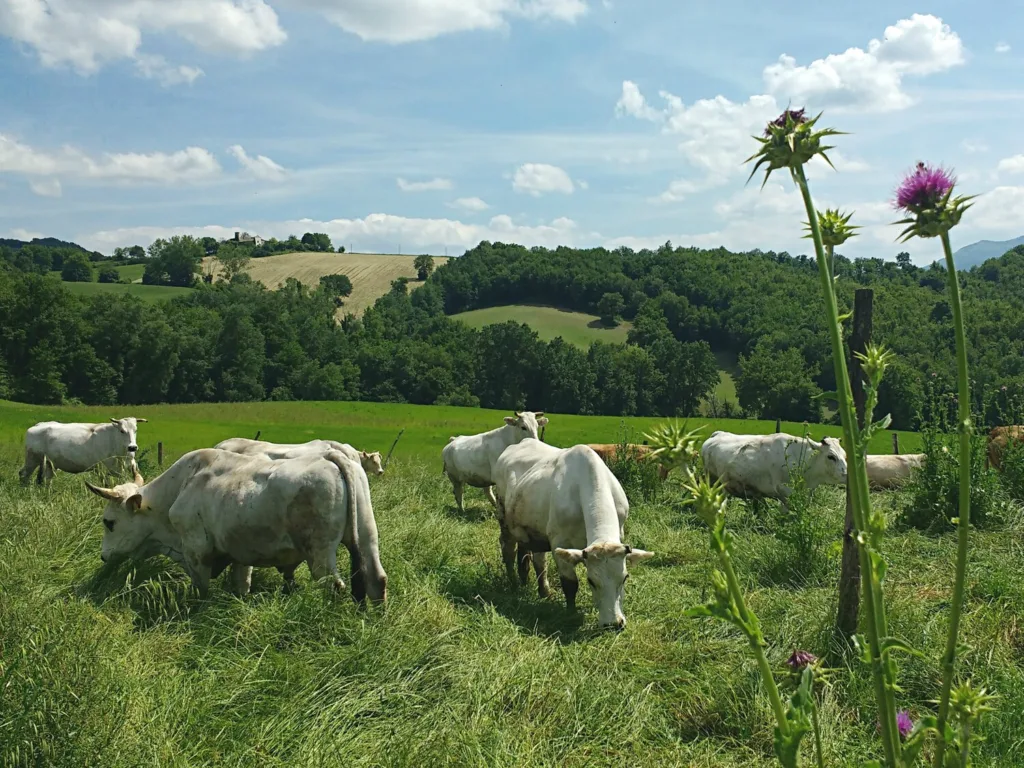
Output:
x=250 y=503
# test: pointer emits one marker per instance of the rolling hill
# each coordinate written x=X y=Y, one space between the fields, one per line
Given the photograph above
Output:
x=576 y=328
x=371 y=273
x=978 y=253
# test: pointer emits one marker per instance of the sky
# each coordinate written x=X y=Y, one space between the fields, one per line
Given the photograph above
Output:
x=419 y=126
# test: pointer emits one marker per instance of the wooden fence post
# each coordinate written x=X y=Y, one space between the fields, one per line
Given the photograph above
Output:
x=160 y=454
x=895 y=443
x=849 y=575
x=778 y=425
x=258 y=433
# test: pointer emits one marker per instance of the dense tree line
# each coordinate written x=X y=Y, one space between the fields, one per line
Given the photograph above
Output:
x=236 y=340
x=765 y=308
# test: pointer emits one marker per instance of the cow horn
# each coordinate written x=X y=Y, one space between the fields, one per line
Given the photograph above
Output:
x=138 y=476
x=538 y=414
x=516 y=413
x=114 y=421
x=106 y=493
x=142 y=421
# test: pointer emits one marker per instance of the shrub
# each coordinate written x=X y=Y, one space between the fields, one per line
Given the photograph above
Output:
x=108 y=275
x=76 y=269
x=933 y=491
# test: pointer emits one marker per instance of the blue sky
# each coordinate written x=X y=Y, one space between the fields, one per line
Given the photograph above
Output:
x=426 y=125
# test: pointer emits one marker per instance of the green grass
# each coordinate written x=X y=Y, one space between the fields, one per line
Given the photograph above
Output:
x=728 y=370
x=131 y=272
x=124 y=666
x=144 y=292
x=577 y=328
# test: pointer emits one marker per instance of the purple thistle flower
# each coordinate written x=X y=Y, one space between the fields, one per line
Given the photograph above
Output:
x=800 y=659
x=924 y=188
x=780 y=122
x=903 y=723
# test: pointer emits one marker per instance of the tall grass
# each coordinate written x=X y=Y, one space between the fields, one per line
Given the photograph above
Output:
x=127 y=667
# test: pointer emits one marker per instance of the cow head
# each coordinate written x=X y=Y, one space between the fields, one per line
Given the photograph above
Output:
x=129 y=430
x=828 y=464
x=126 y=529
x=371 y=463
x=526 y=424
x=606 y=574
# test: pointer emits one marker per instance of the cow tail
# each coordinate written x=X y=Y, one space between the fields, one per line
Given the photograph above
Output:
x=352 y=492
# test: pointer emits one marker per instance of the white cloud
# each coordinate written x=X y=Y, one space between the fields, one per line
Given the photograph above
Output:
x=540 y=178
x=470 y=204
x=1000 y=209
x=973 y=147
x=378 y=232
x=633 y=103
x=1002 y=47
x=678 y=190
x=869 y=79
x=1013 y=164
x=260 y=167
x=157 y=68
x=191 y=164
x=23 y=234
x=46 y=187
x=87 y=34
x=424 y=186
x=405 y=21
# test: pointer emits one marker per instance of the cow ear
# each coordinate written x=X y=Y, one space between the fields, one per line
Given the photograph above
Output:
x=114 y=421
x=510 y=421
x=134 y=503
x=571 y=556
x=107 y=493
x=638 y=555
x=542 y=421
x=364 y=454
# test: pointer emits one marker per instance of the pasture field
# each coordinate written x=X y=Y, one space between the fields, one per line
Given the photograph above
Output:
x=577 y=328
x=123 y=666
x=131 y=272
x=145 y=292
x=371 y=273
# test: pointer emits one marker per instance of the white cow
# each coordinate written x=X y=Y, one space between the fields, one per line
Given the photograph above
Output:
x=469 y=459
x=566 y=501
x=371 y=462
x=753 y=466
x=215 y=508
x=891 y=471
x=77 y=448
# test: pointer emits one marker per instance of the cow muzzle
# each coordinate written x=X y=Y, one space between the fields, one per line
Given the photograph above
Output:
x=132 y=448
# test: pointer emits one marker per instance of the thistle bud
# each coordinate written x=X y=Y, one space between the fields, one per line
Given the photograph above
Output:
x=926 y=196
x=708 y=499
x=790 y=141
x=834 y=227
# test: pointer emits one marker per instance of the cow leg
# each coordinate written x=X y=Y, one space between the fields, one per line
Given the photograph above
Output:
x=508 y=552
x=523 y=563
x=47 y=472
x=457 y=488
x=289 y=577
x=199 y=572
x=33 y=461
x=489 y=490
x=241 y=579
x=325 y=563
x=540 y=566
x=570 y=584
x=356 y=575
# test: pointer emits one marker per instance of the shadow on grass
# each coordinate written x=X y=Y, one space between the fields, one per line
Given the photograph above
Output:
x=473 y=513
x=549 y=618
x=601 y=325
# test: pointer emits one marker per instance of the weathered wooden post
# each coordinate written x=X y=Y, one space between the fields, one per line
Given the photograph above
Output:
x=258 y=433
x=160 y=454
x=778 y=425
x=849 y=575
x=895 y=443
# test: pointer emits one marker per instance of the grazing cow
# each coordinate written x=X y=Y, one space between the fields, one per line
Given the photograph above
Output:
x=892 y=471
x=753 y=466
x=371 y=462
x=78 y=448
x=469 y=459
x=215 y=508
x=608 y=452
x=998 y=439
x=568 y=502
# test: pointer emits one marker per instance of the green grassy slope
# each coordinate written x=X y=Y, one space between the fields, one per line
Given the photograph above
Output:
x=575 y=327
x=144 y=292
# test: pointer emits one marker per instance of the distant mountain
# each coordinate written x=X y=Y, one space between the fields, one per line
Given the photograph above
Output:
x=977 y=253
x=49 y=242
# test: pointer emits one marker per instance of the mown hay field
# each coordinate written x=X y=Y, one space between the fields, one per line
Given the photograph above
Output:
x=371 y=273
x=124 y=666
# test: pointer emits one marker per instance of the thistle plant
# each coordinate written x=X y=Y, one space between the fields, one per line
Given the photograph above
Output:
x=926 y=197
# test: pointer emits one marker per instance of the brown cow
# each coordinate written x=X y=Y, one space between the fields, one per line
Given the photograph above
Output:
x=607 y=452
x=998 y=439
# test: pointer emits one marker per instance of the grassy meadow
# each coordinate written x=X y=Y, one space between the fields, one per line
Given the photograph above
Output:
x=577 y=328
x=123 y=666
x=147 y=293
x=371 y=273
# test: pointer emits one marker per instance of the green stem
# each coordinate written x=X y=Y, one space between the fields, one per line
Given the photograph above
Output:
x=859 y=498
x=965 y=746
x=756 y=640
x=964 y=513
x=817 y=734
